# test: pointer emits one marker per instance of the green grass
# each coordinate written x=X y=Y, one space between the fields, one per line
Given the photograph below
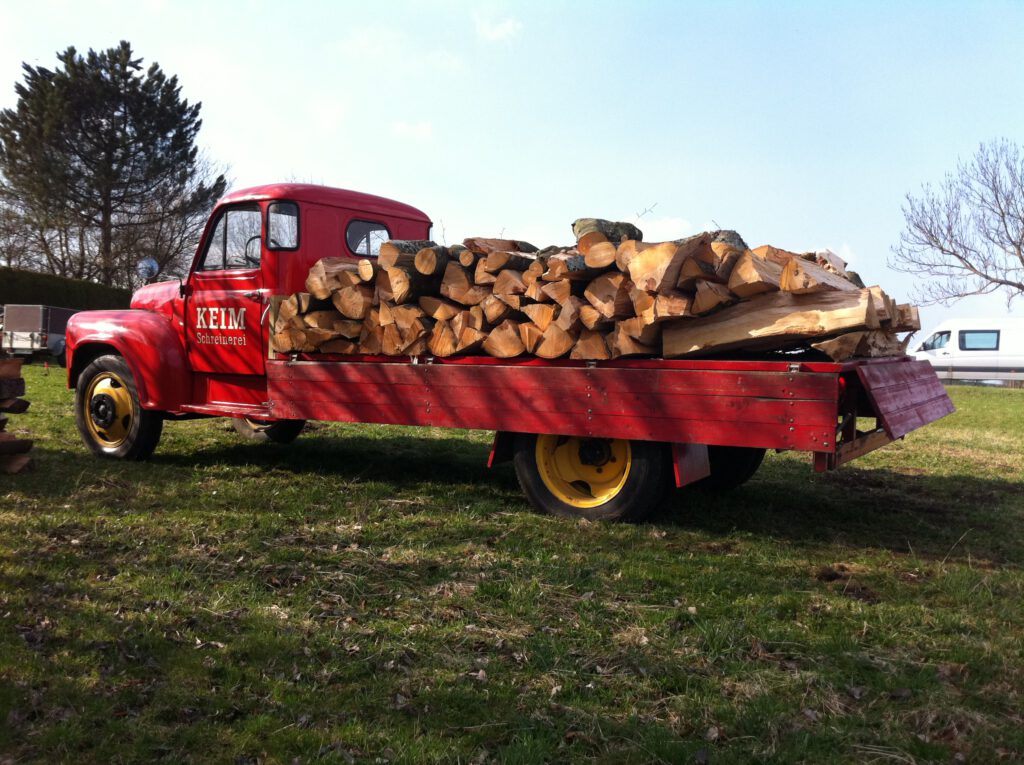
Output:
x=375 y=594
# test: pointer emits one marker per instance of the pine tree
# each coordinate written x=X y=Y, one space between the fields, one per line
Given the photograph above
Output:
x=100 y=163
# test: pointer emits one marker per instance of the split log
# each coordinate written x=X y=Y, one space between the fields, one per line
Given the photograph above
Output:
x=693 y=271
x=535 y=291
x=354 y=302
x=710 y=296
x=11 y=444
x=438 y=308
x=592 y=231
x=600 y=254
x=509 y=282
x=495 y=309
x=456 y=285
x=673 y=306
x=14 y=405
x=558 y=291
x=830 y=262
x=803 y=276
x=481 y=275
x=290 y=340
x=484 y=246
x=641 y=331
x=333 y=321
x=591 y=346
x=621 y=344
x=471 y=340
x=724 y=250
x=555 y=342
x=591 y=318
x=472 y=318
x=774 y=254
x=541 y=314
x=515 y=302
x=396 y=252
x=443 y=342
x=504 y=341
x=568 y=264
x=753 y=275
x=569 y=314
x=371 y=339
x=656 y=268
x=467 y=258
x=609 y=294
x=531 y=335
x=770 y=321
x=431 y=261
x=330 y=274
x=885 y=306
x=402 y=285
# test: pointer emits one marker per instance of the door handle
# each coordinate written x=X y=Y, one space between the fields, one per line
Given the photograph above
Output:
x=254 y=295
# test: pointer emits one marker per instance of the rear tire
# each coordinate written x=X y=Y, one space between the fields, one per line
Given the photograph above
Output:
x=731 y=466
x=598 y=479
x=277 y=431
x=108 y=414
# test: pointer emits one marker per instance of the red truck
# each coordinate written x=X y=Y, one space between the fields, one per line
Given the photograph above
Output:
x=601 y=440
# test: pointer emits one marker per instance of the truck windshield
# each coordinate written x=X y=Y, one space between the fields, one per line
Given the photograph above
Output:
x=936 y=341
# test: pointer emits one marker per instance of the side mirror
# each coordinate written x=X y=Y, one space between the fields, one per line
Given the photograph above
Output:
x=147 y=269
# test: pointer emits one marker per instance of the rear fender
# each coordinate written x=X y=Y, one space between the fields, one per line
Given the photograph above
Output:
x=149 y=344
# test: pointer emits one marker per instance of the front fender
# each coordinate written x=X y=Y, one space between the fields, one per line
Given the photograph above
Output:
x=148 y=342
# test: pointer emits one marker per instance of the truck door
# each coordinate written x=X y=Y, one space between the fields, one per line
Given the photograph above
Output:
x=224 y=308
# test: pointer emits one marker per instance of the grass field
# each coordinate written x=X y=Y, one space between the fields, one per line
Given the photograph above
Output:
x=374 y=594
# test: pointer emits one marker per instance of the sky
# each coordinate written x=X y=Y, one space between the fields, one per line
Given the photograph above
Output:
x=800 y=124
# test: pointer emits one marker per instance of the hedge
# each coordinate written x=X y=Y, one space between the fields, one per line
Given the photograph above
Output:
x=29 y=288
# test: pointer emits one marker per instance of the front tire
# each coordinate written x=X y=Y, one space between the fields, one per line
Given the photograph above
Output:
x=277 y=431
x=109 y=416
x=599 y=479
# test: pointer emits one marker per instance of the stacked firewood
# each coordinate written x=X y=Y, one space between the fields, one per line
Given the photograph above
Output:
x=609 y=296
x=13 y=450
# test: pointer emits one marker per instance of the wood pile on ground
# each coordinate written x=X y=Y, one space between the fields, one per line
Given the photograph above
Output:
x=610 y=295
x=13 y=450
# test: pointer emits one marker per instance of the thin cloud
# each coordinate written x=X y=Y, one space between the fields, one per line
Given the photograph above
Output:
x=420 y=132
x=498 y=31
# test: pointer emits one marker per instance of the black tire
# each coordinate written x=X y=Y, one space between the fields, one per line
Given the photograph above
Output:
x=110 y=419
x=731 y=466
x=276 y=431
x=639 y=492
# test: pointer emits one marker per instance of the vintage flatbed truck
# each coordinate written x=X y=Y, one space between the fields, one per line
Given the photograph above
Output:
x=600 y=440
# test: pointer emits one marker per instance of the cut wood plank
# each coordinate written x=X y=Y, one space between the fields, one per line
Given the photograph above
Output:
x=803 y=276
x=753 y=275
x=16 y=463
x=431 y=261
x=591 y=346
x=504 y=341
x=710 y=295
x=773 y=320
x=609 y=294
x=396 y=252
x=10 y=369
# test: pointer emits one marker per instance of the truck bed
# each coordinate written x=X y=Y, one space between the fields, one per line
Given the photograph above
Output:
x=807 y=406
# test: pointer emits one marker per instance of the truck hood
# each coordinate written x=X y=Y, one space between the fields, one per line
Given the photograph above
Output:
x=159 y=298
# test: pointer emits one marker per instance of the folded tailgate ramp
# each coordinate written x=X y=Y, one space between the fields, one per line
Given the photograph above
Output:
x=905 y=396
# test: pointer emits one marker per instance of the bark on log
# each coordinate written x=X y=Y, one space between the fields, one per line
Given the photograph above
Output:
x=500 y=260
x=504 y=341
x=591 y=231
x=485 y=246
x=330 y=274
x=401 y=251
x=14 y=405
x=770 y=321
x=753 y=275
x=402 y=285
x=10 y=369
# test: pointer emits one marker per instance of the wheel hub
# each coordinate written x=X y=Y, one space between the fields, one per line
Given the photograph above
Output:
x=595 y=452
x=103 y=410
x=583 y=472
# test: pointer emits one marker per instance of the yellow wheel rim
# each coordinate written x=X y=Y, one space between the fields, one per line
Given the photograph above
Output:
x=109 y=410
x=583 y=472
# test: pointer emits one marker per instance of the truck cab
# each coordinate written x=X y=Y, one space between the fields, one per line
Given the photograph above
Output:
x=199 y=345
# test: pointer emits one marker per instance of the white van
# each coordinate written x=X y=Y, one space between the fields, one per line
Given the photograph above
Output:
x=976 y=349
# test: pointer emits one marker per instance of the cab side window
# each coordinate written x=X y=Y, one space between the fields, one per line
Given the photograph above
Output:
x=282 y=226
x=365 y=237
x=235 y=241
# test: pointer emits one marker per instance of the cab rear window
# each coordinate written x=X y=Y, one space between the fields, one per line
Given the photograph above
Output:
x=365 y=237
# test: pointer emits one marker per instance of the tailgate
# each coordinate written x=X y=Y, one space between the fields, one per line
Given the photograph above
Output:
x=905 y=395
